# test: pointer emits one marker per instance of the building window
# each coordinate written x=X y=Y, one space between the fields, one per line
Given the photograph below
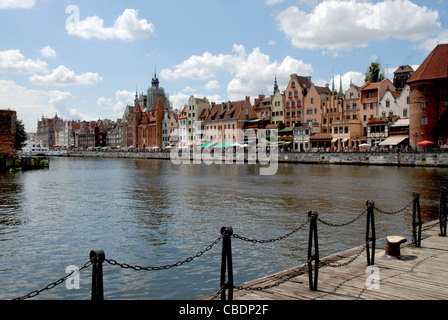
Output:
x=387 y=104
x=424 y=105
x=423 y=121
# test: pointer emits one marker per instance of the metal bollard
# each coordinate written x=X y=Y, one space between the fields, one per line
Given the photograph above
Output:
x=226 y=264
x=370 y=233
x=313 y=279
x=442 y=212
x=416 y=215
x=97 y=257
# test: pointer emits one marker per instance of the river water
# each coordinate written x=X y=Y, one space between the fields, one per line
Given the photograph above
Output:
x=153 y=213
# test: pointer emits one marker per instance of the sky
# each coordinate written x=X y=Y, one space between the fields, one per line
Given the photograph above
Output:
x=86 y=59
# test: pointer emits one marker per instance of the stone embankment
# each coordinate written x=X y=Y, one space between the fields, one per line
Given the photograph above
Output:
x=420 y=159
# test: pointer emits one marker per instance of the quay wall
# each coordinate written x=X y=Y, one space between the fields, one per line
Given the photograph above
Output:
x=419 y=159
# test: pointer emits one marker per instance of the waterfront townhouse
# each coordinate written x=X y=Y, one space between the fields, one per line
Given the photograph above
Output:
x=195 y=108
x=173 y=129
x=388 y=106
x=403 y=102
x=126 y=132
x=263 y=107
x=165 y=130
x=182 y=128
x=371 y=94
x=352 y=102
x=296 y=90
x=226 y=121
x=150 y=127
x=278 y=107
x=347 y=134
x=429 y=99
x=312 y=107
x=332 y=110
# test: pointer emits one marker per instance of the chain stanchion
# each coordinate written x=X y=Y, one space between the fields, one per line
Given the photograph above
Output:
x=226 y=264
x=370 y=234
x=442 y=212
x=416 y=221
x=97 y=257
x=313 y=279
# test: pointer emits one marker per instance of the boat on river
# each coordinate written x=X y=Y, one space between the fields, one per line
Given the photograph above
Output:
x=34 y=148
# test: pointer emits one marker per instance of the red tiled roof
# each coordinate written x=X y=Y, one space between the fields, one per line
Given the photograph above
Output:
x=434 y=67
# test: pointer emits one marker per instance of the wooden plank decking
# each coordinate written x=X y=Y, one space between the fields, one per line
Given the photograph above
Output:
x=420 y=274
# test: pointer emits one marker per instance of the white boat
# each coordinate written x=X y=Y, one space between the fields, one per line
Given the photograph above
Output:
x=34 y=148
x=57 y=153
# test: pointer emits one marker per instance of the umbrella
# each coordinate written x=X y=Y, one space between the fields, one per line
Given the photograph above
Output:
x=364 y=145
x=426 y=143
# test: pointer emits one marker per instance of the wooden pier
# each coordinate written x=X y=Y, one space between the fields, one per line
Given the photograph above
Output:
x=421 y=273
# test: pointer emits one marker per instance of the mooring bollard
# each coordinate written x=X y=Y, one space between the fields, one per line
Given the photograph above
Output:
x=370 y=234
x=313 y=279
x=97 y=257
x=226 y=264
x=416 y=221
x=442 y=212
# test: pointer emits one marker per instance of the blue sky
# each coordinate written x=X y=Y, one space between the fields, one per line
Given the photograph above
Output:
x=85 y=59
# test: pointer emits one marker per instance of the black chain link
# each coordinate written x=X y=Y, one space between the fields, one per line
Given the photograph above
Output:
x=272 y=240
x=342 y=224
x=397 y=211
x=54 y=284
x=168 y=266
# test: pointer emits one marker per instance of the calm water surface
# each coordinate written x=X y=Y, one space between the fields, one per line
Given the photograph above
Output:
x=154 y=213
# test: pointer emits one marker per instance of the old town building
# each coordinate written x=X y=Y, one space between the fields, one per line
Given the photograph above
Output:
x=429 y=99
x=295 y=93
x=8 y=120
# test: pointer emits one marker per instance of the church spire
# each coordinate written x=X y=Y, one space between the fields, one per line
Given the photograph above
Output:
x=155 y=80
x=275 y=85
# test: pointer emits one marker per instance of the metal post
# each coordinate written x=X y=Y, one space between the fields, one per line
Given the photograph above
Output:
x=416 y=215
x=226 y=264
x=370 y=234
x=313 y=280
x=443 y=212
x=97 y=257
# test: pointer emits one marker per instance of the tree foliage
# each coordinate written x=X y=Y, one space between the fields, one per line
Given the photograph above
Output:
x=20 y=136
x=374 y=73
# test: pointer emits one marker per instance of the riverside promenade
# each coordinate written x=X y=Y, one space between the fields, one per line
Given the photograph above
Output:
x=410 y=159
x=420 y=273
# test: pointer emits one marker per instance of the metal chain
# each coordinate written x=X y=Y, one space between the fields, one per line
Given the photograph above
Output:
x=397 y=211
x=342 y=224
x=345 y=263
x=272 y=240
x=52 y=285
x=295 y=274
x=168 y=266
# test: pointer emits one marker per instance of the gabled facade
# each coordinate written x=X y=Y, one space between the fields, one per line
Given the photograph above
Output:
x=295 y=93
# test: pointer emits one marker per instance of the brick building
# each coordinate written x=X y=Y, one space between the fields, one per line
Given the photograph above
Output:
x=429 y=99
x=7 y=132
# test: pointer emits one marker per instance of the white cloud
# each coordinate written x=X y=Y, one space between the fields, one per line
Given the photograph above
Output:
x=347 y=24
x=13 y=61
x=431 y=43
x=31 y=105
x=252 y=73
x=118 y=106
x=48 y=52
x=212 y=85
x=204 y=67
x=273 y=2
x=62 y=76
x=127 y=27
x=354 y=77
x=17 y=4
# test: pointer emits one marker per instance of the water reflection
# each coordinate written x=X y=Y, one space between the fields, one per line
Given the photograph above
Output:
x=152 y=213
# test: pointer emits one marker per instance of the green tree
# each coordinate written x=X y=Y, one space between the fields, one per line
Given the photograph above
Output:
x=20 y=136
x=374 y=73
